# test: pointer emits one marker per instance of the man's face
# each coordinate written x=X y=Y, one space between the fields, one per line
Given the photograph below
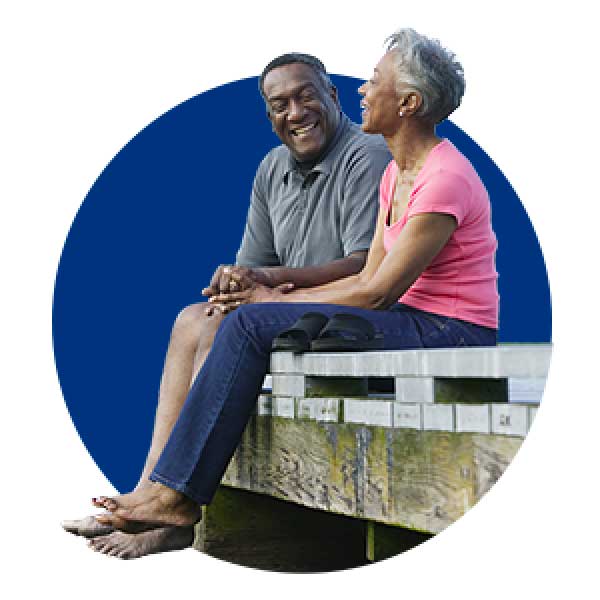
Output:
x=303 y=110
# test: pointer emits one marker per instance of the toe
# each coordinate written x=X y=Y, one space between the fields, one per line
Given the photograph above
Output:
x=105 y=502
x=97 y=544
x=104 y=519
x=117 y=522
x=87 y=527
x=110 y=520
x=70 y=526
x=110 y=504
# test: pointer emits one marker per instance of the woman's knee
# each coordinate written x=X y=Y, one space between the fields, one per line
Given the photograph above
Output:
x=259 y=322
x=246 y=316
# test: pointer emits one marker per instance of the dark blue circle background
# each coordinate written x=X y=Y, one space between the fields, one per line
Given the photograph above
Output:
x=163 y=214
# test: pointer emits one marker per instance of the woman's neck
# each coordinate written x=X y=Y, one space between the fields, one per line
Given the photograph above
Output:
x=410 y=146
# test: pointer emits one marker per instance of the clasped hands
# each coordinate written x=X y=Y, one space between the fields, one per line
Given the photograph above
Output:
x=232 y=286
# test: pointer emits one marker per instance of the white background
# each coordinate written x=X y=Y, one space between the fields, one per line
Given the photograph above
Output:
x=80 y=79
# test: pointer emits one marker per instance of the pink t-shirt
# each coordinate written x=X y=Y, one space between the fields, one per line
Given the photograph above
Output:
x=461 y=281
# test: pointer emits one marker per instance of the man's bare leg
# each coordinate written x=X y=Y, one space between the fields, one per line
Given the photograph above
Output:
x=191 y=340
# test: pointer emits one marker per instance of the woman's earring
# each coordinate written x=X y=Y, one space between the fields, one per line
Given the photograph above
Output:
x=400 y=114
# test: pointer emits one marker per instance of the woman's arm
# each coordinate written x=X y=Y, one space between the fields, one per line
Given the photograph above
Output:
x=385 y=277
x=422 y=238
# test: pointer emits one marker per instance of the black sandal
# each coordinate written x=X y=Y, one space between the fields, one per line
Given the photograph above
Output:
x=347 y=333
x=298 y=337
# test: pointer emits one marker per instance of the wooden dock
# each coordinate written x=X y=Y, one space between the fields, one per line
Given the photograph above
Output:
x=333 y=472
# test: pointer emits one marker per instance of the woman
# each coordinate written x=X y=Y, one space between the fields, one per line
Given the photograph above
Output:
x=429 y=281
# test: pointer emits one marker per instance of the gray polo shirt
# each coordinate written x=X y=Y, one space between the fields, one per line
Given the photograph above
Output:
x=298 y=220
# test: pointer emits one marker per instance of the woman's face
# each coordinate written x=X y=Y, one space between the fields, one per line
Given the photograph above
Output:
x=381 y=101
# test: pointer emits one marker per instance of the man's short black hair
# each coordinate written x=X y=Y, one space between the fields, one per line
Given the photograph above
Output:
x=291 y=58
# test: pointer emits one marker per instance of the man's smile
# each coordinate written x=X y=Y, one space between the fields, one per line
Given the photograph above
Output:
x=302 y=131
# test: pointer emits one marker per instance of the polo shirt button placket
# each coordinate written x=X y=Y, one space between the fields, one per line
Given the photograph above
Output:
x=302 y=201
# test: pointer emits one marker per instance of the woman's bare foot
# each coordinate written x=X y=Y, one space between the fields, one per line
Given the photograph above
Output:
x=148 y=508
x=87 y=527
x=125 y=545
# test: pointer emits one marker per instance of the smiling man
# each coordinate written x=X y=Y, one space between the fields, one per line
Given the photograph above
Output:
x=311 y=219
x=315 y=197
x=302 y=107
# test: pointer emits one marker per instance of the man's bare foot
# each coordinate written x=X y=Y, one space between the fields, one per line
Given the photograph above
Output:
x=148 y=508
x=87 y=527
x=126 y=545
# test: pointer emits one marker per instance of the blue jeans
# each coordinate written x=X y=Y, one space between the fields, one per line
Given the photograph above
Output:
x=224 y=393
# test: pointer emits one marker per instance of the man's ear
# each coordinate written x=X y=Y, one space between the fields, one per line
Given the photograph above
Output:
x=269 y=115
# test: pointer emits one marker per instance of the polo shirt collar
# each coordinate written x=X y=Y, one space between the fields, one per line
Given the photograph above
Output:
x=326 y=163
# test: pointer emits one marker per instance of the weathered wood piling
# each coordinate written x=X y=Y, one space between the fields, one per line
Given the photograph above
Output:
x=330 y=475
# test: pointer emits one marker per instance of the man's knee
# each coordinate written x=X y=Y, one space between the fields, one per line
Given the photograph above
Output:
x=194 y=323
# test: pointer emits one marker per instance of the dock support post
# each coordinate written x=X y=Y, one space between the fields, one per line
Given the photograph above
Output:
x=256 y=530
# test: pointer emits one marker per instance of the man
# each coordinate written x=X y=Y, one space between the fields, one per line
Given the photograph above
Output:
x=311 y=218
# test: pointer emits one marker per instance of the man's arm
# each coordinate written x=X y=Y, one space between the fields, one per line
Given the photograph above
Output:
x=258 y=242
x=242 y=290
x=313 y=276
x=358 y=210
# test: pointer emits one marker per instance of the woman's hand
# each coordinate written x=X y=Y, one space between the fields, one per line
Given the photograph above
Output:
x=252 y=293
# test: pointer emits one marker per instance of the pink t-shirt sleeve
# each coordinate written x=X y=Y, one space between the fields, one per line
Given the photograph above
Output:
x=442 y=192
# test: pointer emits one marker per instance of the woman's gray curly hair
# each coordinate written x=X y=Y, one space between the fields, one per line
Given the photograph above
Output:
x=426 y=67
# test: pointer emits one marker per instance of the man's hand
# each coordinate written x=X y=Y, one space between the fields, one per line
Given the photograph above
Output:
x=223 y=281
x=256 y=293
x=229 y=280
